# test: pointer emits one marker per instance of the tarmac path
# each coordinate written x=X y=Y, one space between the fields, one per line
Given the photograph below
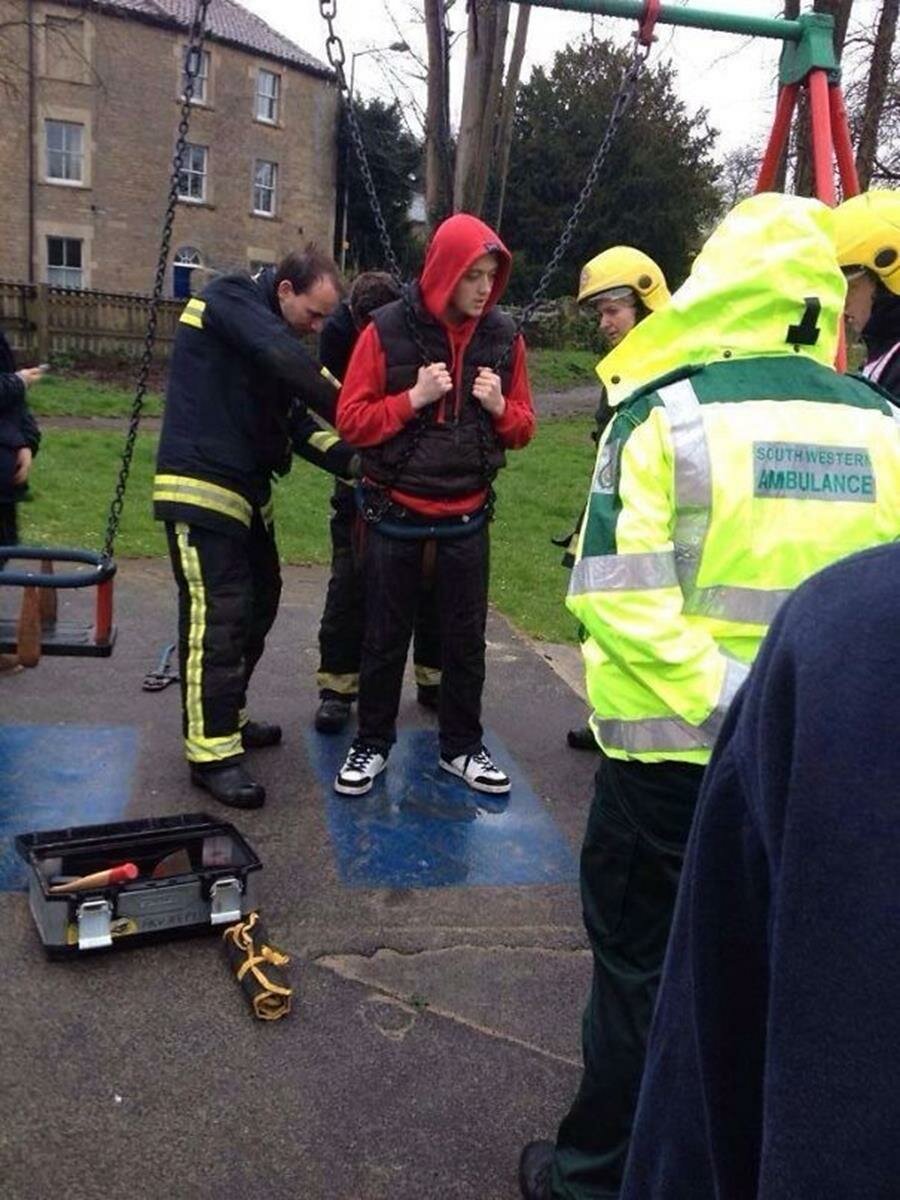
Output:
x=436 y=1019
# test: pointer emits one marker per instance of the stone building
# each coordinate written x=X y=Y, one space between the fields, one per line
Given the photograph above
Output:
x=90 y=96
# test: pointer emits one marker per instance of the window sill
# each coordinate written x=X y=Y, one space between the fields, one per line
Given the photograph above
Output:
x=265 y=216
x=269 y=124
x=204 y=104
x=196 y=203
x=67 y=183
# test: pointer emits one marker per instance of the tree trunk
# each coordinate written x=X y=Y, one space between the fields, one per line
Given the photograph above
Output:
x=876 y=90
x=791 y=13
x=804 y=175
x=508 y=112
x=485 y=49
x=438 y=166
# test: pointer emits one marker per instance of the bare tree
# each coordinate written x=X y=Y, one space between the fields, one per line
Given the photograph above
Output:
x=876 y=91
x=485 y=52
x=438 y=164
x=503 y=140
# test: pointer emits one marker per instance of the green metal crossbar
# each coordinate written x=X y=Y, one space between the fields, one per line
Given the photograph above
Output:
x=699 y=18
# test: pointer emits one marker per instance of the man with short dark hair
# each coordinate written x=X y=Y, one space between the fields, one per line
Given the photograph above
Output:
x=239 y=384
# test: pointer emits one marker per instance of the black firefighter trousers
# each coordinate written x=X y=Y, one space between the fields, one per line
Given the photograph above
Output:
x=343 y=618
x=631 y=862
x=229 y=586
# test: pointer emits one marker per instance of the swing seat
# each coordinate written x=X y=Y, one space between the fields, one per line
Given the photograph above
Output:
x=37 y=630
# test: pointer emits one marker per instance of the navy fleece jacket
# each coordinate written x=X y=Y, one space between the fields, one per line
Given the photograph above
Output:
x=773 y=1070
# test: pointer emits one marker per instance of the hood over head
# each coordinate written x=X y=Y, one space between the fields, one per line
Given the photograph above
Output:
x=746 y=297
x=456 y=244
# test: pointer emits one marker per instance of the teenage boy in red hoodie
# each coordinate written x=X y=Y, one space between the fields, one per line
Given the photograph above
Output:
x=433 y=400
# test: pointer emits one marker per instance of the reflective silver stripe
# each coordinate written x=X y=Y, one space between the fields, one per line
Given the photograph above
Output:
x=754 y=606
x=735 y=674
x=606 y=475
x=624 y=572
x=674 y=733
x=693 y=479
x=652 y=734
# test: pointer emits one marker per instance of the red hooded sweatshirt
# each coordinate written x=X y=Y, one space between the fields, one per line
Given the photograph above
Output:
x=368 y=417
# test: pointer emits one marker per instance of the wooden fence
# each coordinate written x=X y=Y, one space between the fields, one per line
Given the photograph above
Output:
x=41 y=320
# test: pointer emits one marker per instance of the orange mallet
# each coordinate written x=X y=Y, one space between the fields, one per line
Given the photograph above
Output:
x=120 y=874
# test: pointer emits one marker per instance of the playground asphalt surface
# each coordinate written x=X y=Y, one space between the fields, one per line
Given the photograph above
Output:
x=434 y=1030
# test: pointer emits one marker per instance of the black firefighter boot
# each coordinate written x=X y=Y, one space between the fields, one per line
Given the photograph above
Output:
x=229 y=783
x=256 y=735
x=333 y=713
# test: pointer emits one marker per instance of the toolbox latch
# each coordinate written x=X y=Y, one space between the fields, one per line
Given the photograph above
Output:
x=225 y=895
x=94 y=918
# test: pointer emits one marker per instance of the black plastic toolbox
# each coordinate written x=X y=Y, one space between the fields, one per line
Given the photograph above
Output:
x=214 y=882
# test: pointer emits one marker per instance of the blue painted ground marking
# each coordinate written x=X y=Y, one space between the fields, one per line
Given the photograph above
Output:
x=54 y=776
x=420 y=827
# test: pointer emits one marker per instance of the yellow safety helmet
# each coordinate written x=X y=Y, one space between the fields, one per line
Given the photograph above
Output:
x=866 y=232
x=624 y=267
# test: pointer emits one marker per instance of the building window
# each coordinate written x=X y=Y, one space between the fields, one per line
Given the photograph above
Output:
x=192 y=177
x=201 y=79
x=265 y=175
x=64 y=262
x=268 y=88
x=65 y=151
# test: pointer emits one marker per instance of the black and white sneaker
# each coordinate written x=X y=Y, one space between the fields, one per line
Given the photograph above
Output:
x=477 y=770
x=361 y=767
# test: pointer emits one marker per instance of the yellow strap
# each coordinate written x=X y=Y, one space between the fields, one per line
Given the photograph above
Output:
x=187 y=318
x=326 y=374
x=323 y=441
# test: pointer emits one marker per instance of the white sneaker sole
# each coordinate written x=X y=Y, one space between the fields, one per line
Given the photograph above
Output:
x=493 y=789
x=345 y=790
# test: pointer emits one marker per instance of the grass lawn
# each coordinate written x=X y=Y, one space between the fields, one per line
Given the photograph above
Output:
x=539 y=494
x=74 y=395
x=79 y=396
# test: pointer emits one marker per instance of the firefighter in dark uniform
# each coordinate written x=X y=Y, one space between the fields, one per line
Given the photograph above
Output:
x=241 y=386
x=341 y=627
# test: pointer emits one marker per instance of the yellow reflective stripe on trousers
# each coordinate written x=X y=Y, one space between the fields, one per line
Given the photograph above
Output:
x=198 y=747
x=658 y=734
x=344 y=685
x=624 y=572
x=427 y=676
x=184 y=489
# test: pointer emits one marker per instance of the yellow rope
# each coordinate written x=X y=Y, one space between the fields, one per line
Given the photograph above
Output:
x=275 y=1000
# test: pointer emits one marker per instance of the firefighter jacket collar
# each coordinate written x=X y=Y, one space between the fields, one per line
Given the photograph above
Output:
x=766 y=283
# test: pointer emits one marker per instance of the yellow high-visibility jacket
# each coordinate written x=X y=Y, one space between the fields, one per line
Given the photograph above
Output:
x=720 y=487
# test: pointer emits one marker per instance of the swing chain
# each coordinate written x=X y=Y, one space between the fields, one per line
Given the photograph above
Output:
x=337 y=58
x=621 y=104
x=192 y=64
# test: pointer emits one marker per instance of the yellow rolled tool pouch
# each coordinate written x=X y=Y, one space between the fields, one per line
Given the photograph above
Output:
x=258 y=968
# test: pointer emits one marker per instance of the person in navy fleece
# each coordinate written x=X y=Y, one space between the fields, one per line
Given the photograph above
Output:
x=774 y=1060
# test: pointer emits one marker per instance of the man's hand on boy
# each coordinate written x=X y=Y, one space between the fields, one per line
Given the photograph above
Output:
x=487 y=391
x=23 y=466
x=433 y=382
x=30 y=375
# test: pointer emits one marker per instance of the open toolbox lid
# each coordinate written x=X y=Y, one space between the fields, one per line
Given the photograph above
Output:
x=185 y=874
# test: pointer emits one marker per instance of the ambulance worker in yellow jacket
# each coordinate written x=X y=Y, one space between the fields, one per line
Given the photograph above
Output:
x=738 y=463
